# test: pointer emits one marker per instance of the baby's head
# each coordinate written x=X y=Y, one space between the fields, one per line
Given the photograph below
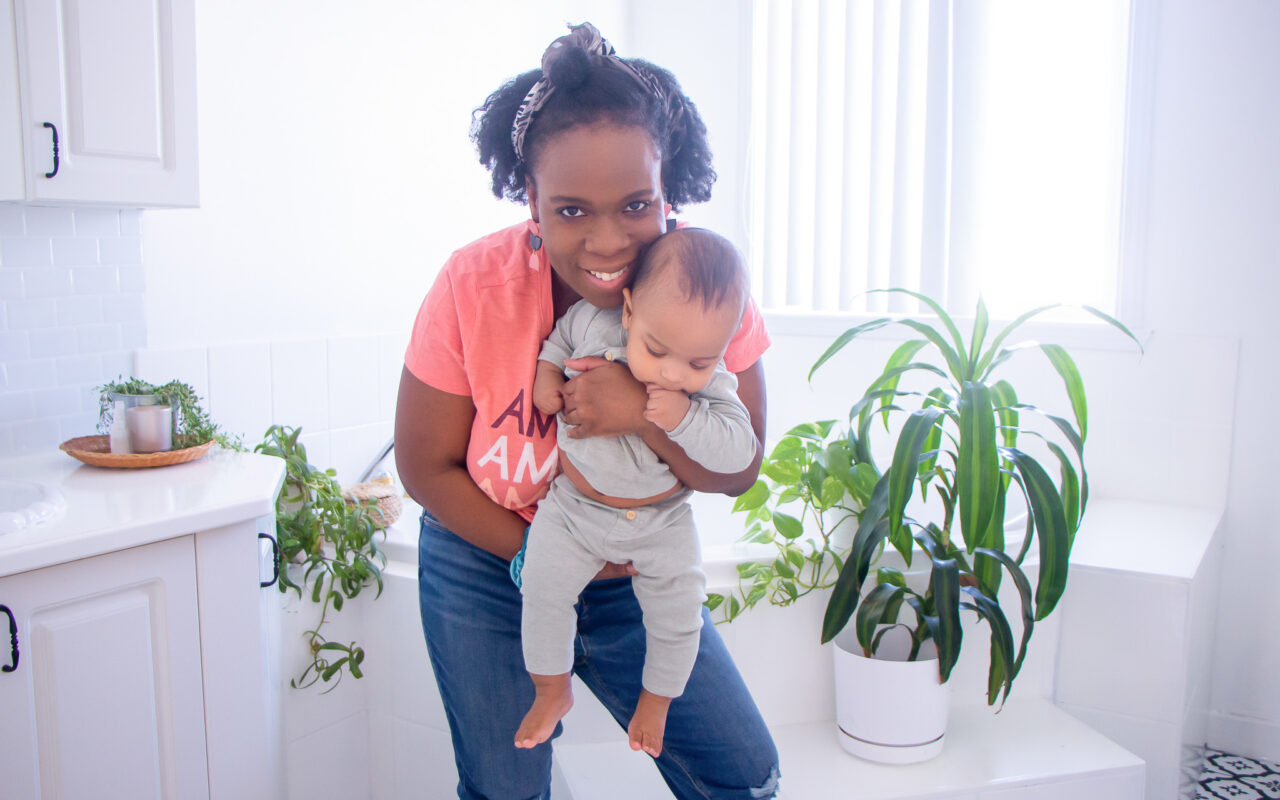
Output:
x=683 y=307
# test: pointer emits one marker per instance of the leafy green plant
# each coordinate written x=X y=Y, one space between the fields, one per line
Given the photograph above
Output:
x=331 y=541
x=966 y=442
x=811 y=474
x=192 y=425
x=972 y=449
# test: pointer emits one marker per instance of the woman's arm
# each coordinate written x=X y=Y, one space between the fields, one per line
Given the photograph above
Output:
x=605 y=400
x=432 y=432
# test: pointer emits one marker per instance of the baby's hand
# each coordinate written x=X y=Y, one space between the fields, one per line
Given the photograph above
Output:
x=546 y=389
x=665 y=408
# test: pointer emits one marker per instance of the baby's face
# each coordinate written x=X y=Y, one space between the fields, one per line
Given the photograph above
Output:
x=674 y=343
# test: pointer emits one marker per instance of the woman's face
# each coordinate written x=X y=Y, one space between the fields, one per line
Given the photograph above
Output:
x=596 y=193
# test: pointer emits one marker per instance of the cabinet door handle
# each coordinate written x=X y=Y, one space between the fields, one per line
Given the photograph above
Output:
x=275 y=559
x=13 y=640
x=51 y=127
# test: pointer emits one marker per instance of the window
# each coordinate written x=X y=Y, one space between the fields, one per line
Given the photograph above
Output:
x=953 y=148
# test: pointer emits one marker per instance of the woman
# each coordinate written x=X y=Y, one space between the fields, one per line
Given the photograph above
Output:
x=600 y=149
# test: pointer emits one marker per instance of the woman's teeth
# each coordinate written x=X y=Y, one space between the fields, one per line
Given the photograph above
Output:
x=608 y=276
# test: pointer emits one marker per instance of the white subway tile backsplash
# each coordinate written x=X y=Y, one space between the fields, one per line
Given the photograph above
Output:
x=30 y=375
x=10 y=283
x=189 y=365
x=123 y=308
x=127 y=250
x=97 y=222
x=82 y=369
x=240 y=389
x=33 y=252
x=133 y=335
x=47 y=282
x=131 y=278
x=28 y=314
x=95 y=280
x=99 y=338
x=353 y=381
x=12 y=220
x=54 y=342
x=49 y=221
x=14 y=345
x=390 y=364
x=299 y=384
x=58 y=401
x=131 y=222
x=75 y=251
x=79 y=310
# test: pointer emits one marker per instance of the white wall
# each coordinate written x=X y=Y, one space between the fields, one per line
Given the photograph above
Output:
x=1213 y=267
x=336 y=174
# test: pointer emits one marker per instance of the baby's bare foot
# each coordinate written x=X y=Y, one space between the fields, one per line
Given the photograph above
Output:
x=648 y=723
x=552 y=701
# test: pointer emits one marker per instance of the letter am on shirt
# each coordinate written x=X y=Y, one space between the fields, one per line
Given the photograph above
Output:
x=525 y=477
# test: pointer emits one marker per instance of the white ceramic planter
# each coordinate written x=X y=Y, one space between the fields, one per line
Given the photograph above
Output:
x=889 y=710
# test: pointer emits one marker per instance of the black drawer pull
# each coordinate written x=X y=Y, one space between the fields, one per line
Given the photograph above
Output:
x=13 y=640
x=275 y=559
x=51 y=127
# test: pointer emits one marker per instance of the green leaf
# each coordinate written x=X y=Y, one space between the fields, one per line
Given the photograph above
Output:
x=752 y=498
x=1115 y=323
x=1000 y=674
x=944 y=589
x=1005 y=400
x=961 y=374
x=1024 y=593
x=985 y=364
x=1051 y=530
x=1066 y=367
x=783 y=472
x=788 y=526
x=832 y=492
x=713 y=601
x=900 y=358
x=980 y=322
x=872 y=529
x=846 y=337
x=954 y=358
x=906 y=460
x=872 y=613
x=978 y=469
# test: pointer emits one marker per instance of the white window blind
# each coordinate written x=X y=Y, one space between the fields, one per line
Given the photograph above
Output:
x=950 y=148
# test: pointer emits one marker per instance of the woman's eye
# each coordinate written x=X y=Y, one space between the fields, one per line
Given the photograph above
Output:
x=638 y=205
x=572 y=211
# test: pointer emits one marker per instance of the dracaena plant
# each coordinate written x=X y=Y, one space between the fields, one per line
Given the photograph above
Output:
x=976 y=452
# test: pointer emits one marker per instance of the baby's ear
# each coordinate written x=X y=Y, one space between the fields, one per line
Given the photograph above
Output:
x=626 y=309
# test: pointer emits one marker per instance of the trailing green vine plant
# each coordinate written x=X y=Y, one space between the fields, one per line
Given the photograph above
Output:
x=331 y=541
x=192 y=424
x=809 y=488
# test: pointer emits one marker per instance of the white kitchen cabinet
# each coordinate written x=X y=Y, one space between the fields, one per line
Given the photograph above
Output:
x=115 y=84
x=146 y=665
x=106 y=700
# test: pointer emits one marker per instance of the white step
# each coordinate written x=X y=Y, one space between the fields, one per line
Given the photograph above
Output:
x=1029 y=751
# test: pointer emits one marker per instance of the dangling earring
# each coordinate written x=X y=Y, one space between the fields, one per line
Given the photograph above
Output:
x=671 y=224
x=535 y=241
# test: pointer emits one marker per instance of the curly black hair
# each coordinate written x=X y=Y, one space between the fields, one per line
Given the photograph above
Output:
x=591 y=88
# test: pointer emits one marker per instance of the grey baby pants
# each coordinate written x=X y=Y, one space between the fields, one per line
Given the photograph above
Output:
x=571 y=538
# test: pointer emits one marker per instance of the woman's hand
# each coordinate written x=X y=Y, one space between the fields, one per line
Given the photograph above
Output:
x=612 y=570
x=605 y=400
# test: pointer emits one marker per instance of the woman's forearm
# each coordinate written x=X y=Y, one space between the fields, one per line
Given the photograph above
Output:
x=693 y=474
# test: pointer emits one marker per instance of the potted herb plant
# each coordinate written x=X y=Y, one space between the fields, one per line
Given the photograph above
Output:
x=327 y=546
x=968 y=452
x=191 y=424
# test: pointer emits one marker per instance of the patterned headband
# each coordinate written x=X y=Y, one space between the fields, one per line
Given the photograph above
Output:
x=588 y=38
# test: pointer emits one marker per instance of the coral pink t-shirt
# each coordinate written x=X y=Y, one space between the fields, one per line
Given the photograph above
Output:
x=478 y=334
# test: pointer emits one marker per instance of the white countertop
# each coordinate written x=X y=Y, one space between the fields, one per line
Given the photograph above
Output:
x=112 y=509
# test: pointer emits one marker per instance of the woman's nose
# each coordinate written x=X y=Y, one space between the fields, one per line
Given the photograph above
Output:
x=606 y=238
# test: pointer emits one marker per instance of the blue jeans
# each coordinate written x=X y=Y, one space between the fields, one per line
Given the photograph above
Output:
x=716 y=744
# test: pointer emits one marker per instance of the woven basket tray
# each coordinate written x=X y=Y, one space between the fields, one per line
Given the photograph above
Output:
x=389 y=505
x=96 y=451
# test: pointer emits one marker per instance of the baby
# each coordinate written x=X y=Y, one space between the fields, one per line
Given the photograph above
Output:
x=615 y=500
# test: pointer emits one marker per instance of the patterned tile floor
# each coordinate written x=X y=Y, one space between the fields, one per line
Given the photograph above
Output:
x=1227 y=777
